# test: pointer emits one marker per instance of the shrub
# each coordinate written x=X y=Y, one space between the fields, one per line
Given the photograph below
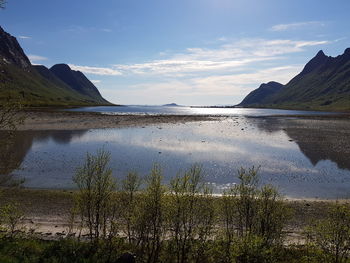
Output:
x=95 y=197
x=11 y=216
x=332 y=235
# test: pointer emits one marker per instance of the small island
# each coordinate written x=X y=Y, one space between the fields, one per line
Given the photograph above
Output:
x=171 y=105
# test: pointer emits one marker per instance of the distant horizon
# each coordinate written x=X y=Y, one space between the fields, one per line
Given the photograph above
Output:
x=167 y=104
x=200 y=52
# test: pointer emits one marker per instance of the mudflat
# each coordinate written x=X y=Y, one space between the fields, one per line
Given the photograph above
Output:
x=63 y=120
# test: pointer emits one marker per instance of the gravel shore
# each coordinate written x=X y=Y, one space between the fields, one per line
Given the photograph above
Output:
x=63 y=120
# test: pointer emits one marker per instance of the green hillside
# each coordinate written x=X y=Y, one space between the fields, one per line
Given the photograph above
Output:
x=33 y=90
x=324 y=84
x=39 y=86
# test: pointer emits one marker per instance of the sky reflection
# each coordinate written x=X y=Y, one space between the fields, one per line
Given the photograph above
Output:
x=51 y=158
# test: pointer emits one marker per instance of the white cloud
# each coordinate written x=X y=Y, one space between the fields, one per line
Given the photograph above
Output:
x=293 y=26
x=183 y=66
x=215 y=85
x=231 y=57
x=24 y=37
x=95 y=81
x=36 y=58
x=223 y=39
x=236 y=83
x=84 y=29
x=96 y=70
x=228 y=57
x=224 y=74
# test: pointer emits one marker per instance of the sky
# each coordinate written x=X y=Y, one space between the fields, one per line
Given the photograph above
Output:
x=189 y=52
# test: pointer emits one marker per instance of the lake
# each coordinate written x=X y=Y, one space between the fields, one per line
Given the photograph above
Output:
x=304 y=158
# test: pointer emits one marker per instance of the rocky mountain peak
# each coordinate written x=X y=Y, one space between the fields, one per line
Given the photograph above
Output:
x=11 y=52
x=314 y=63
x=320 y=54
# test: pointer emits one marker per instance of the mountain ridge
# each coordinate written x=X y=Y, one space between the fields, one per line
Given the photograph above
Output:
x=36 y=85
x=323 y=84
x=76 y=80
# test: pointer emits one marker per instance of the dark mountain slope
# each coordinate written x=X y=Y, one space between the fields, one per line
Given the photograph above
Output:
x=11 y=52
x=77 y=81
x=323 y=84
x=260 y=94
x=34 y=90
x=50 y=77
x=36 y=85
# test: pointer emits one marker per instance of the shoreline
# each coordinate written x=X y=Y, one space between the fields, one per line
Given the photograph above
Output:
x=46 y=212
x=305 y=131
x=75 y=120
x=68 y=120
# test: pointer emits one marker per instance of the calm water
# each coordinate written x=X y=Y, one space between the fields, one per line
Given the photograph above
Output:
x=300 y=161
x=183 y=110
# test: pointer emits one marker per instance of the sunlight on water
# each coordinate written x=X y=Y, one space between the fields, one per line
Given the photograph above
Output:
x=298 y=169
x=182 y=110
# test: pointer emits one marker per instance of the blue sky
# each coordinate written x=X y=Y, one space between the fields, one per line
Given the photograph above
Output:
x=192 y=52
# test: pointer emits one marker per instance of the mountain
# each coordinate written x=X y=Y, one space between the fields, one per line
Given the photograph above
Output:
x=323 y=84
x=260 y=94
x=77 y=81
x=11 y=52
x=39 y=86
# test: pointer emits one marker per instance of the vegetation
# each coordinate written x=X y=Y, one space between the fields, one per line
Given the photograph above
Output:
x=10 y=117
x=35 y=90
x=331 y=236
x=94 y=199
x=37 y=85
x=179 y=222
